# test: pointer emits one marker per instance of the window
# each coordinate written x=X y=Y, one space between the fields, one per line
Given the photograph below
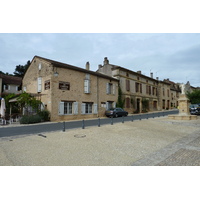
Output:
x=86 y=86
x=147 y=89
x=67 y=108
x=64 y=85
x=110 y=88
x=6 y=87
x=137 y=85
x=47 y=85
x=87 y=108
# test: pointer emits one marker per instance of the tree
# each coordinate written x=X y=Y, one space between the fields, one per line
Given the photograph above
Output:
x=20 y=70
x=120 y=101
x=194 y=96
x=26 y=100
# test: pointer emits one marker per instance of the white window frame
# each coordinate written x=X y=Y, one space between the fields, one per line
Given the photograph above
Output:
x=86 y=108
x=86 y=86
x=68 y=106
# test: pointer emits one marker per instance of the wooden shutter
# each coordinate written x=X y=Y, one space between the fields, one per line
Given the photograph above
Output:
x=127 y=85
x=83 y=108
x=95 y=108
x=76 y=108
x=107 y=105
x=61 y=108
x=39 y=84
x=107 y=88
x=113 y=88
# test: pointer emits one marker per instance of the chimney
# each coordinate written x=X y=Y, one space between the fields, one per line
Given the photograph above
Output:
x=151 y=74
x=106 y=61
x=100 y=66
x=157 y=78
x=87 y=66
x=139 y=72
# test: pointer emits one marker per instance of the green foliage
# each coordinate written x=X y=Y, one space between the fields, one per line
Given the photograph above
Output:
x=20 y=70
x=120 y=101
x=30 y=119
x=15 y=107
x=194 y=96
x=45 y=115
x=26 y=99
x=145 y=104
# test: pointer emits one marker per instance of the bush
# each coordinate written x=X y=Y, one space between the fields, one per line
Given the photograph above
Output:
x=45 y=115
x=30 y=119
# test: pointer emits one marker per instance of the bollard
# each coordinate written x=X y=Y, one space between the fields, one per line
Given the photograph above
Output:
x=99 y=122
x=132 y=118
x=63 y=126
x=112 y=120
x=140 y=117
x=83 y=124
x=122 y=119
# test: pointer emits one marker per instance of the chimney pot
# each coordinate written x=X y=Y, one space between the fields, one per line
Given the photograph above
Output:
x=151 y=74
x=106 y=61
x=87 y=66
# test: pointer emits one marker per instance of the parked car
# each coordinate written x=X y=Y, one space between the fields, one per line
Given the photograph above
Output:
x=195 y=109
x=116 y=112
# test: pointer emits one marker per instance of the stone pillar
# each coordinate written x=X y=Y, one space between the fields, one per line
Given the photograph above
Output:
x=183 y=105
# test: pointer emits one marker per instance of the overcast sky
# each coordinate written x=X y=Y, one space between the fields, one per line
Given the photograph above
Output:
x=170 y=55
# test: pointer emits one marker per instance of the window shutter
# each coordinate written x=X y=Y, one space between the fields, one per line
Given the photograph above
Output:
x=61 y=108
x=83 y=108
x=114 y=104
x=87 y=86
x=39 y=84
x=76 y=108
x=107 y=105
x=95 y=109
x=107 y=88
x=113 y=88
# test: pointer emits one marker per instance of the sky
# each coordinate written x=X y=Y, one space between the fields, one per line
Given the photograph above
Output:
x=168 y=55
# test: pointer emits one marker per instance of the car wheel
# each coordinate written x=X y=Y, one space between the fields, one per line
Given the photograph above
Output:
x=116 y=115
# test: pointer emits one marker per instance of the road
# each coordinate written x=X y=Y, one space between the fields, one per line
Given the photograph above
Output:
x=48 y=127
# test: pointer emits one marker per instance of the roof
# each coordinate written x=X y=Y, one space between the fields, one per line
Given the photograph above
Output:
x=7 y=79
x=67 y=66
x=130 y=71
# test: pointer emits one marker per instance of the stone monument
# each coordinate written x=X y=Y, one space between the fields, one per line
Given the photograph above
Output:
x=183 y=101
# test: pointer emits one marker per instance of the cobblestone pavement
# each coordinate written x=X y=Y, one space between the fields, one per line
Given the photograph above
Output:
x=184 y=152
x=152 y=142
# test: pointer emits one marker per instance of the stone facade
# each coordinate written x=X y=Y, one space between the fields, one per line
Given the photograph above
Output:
x=138 y=89
x=70 y=92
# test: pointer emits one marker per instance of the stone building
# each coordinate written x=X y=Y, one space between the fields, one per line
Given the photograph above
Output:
x=140 y=93
x=70 y=92
x=10 y=84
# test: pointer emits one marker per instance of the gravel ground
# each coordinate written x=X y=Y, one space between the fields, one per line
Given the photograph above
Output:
x=120 y=144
